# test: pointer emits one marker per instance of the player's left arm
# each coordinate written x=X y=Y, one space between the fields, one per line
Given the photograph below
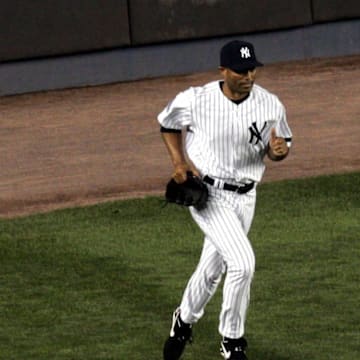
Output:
x=280 y=137
x=277 y=147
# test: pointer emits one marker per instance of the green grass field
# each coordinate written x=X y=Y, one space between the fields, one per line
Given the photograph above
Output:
x=101 y=282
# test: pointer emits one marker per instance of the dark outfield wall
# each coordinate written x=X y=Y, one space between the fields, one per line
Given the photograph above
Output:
x=332 y=10
x=54 y=27
x=188 y=19
x=42 y=28
x=52 y=44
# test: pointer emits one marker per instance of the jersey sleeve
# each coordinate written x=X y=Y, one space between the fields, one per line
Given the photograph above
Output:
x=277 y=120
x=282 y=128
x=177 y=113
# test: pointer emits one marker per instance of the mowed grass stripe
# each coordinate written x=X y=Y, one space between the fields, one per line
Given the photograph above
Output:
x=101 y=282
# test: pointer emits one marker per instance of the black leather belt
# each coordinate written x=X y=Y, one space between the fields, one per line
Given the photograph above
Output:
x=243 y=189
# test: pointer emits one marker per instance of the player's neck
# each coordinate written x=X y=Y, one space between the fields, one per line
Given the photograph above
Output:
x=235 y=97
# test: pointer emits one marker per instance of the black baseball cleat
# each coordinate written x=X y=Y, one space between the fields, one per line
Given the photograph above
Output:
x=233 y=349
x=180 y=334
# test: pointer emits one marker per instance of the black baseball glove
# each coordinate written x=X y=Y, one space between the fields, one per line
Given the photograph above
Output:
x=192 y=192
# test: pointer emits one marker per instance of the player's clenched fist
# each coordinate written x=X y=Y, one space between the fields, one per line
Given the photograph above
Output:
x=181 y=170
x=278 y=148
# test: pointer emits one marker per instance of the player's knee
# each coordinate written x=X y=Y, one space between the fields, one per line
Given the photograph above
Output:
x=243 y=270
x=250 y=270
x=241 y=274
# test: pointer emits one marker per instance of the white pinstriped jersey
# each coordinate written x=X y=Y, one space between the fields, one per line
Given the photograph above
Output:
x=225 y=140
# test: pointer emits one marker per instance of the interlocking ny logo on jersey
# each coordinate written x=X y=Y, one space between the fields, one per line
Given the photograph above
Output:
x=255 y=134
x=245 y=52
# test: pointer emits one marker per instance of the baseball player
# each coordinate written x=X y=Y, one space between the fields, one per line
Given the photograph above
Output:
x=231 y=125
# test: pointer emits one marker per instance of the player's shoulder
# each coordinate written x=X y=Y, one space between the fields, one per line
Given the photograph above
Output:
x=198 y=91
x=263 y=95
x=188 y=96
x=192 y=94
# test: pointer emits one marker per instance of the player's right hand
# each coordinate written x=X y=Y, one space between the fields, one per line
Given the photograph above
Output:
x=180 y=172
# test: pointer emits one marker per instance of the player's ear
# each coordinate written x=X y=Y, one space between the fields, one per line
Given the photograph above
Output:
x=222 y=70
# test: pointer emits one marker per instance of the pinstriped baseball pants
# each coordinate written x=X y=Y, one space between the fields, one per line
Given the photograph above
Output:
x=227 y=250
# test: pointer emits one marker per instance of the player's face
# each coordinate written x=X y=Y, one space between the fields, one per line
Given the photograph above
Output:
x=238 y=84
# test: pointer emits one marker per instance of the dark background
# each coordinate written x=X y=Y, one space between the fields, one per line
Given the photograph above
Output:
x=43 y=28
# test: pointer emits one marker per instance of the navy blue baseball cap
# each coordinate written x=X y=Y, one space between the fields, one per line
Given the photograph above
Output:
x=238 y=56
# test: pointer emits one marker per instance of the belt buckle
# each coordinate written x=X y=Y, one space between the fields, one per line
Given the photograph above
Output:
x=240 y=189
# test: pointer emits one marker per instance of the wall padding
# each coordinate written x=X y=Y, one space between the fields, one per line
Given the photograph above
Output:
x=55 y=27
x=330 y=10
x=154 y=21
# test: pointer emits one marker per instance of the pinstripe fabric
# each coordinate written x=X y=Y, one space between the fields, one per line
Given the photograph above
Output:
x=219 y=142
x=227 y=142
x=225 y=223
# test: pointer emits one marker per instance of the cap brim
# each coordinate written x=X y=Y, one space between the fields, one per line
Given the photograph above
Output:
x=247 y=66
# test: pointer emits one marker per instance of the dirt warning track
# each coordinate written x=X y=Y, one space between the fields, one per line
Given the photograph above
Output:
x=82 y=146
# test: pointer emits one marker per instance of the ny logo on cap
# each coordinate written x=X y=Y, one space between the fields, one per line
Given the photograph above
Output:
x=245 y=52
